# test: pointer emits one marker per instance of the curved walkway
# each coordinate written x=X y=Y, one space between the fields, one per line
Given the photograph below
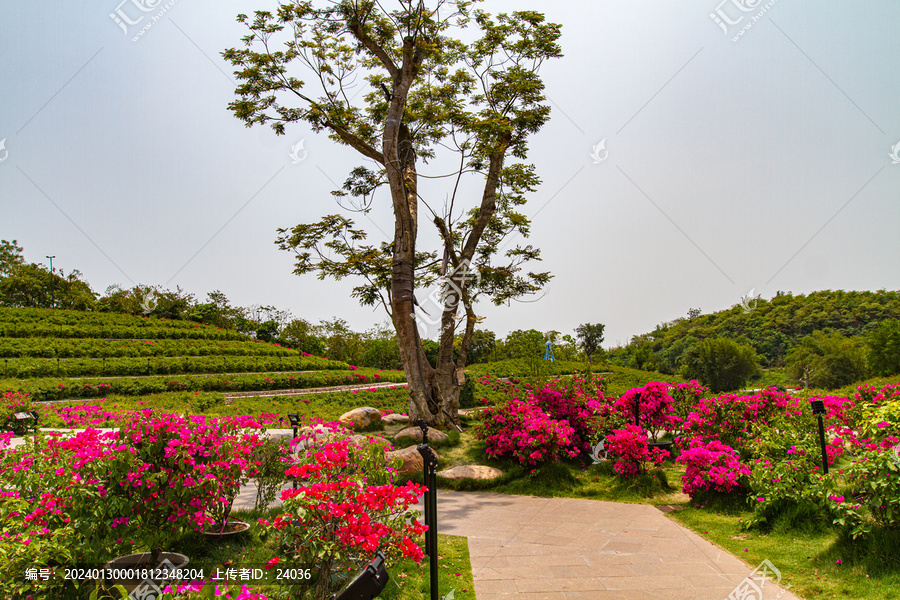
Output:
x=574 y=549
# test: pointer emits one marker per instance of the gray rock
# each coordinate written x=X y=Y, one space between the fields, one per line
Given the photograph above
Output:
x=414 y=434
x=471 y=472
x=412 y=460
x=395 y=418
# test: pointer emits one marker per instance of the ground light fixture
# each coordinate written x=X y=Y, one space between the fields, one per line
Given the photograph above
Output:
x=368 y=584
x=818 y=409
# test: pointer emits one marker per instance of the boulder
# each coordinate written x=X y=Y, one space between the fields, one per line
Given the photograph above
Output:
x=414 y=434
x=412 y=460
x=471 y=472
x=395 y=418
x=360 y=418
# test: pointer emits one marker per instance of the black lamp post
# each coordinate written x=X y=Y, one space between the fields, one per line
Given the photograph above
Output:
x=430 y=461
x=294 y=418
x=52 y=298
x=818 y=409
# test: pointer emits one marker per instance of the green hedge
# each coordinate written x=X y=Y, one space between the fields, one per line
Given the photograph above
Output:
x=25 y=368
x=55 y=316
x=92 y=348
x=61 y=388
x=120 y=332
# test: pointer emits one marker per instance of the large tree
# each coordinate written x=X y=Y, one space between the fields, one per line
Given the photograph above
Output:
x=428 y=97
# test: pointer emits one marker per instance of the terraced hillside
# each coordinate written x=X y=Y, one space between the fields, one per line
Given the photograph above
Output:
x=69 y=355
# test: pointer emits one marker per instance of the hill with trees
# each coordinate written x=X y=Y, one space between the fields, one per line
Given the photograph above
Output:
x=810 y=334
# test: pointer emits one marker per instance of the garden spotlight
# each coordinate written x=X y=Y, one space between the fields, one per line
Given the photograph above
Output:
x=368 y=584
x=818 y=409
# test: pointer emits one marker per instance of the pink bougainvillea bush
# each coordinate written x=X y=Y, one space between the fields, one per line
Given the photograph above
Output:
x=95 y=495
x=11 y=404
x=711 y=466
x=730 y=418
x=520 y=429
x=583 y=409
x=631 y=450
x=654 y=404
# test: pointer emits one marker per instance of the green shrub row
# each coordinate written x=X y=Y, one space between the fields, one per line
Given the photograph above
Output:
x=121 y=332
x=55 y=316
x=25 y=368
x=60 y=389
x=93 y=348
x=520 y=367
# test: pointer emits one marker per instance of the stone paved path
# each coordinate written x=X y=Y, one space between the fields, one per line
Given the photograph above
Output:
x=525 y=547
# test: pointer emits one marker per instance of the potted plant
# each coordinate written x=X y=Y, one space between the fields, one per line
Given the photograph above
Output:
x=231 y=465
x=166 y=491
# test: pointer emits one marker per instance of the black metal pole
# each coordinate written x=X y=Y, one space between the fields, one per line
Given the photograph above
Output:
x=432 y=528
x=294 y=447
x=637 y=411
x=822 y=444
x=429 y=460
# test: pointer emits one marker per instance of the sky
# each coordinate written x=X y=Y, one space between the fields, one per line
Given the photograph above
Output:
x=696 y=151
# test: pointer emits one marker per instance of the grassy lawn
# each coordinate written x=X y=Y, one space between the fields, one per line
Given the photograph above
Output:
x=412 y=582
x=812 y=559
x=327 y=406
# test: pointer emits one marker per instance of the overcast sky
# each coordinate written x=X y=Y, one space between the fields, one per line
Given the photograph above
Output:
x=731 y=161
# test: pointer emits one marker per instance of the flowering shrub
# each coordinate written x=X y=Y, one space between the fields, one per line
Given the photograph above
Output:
x=730 y=418
x=711 y=466
x=575 y=406
x=10 y=404
x=345 y=509
x=521 y=430
x=632 y=451
x=654 y=406
x=93 y=495
x=202 y=589
x=792 y=484
x=684 y=397
x=876 y=474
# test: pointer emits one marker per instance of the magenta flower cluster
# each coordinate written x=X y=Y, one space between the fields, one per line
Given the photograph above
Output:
x=520 y=429
x=711 y=466
x=631 y=449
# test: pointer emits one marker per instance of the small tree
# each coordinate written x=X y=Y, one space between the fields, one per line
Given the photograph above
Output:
x=827 y=360
x=300 y=334
x=425 y=92
x=722 y=364
x=590 y=336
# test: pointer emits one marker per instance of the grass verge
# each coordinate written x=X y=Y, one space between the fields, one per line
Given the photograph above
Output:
x=814 y=561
